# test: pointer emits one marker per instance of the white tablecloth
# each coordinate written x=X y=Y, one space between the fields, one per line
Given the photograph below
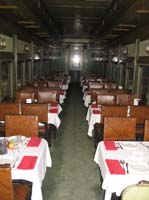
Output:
x=53 y=118
x=130 y=153
x=92 y=119
x=37 y=174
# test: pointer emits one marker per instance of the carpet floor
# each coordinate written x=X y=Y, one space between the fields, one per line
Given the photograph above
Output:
x=74 y=175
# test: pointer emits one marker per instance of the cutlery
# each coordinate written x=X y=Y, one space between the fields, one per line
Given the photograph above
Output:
x=120 y=145
x=127 y=168
x=144 y=145
x=123 y=163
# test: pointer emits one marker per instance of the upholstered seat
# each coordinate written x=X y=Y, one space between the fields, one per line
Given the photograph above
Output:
x=138 y=191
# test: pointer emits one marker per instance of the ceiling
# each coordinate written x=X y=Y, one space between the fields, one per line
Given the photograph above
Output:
x=87 y=22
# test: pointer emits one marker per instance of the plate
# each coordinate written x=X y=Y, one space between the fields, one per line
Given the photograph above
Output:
x=129 y=145
x=41 y=124
x=20 y=138
x=140 y=166
x=6 y=159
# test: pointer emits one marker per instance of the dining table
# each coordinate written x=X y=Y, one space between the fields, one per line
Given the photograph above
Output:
x=29 y=161
x=122 y=163
x=93 y=116
x=54 y=109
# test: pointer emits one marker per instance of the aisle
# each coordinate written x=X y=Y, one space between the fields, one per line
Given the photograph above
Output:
x=74 y=175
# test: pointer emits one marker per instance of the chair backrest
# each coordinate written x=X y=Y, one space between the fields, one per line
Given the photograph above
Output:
x=109 y=85
x=13 y=189
x=119 y=128
x=8 y=108
x=94 y=92
x=6 y=189
x=105 y=99
x=138 y=191
x=23 y=95
x=39 y=109
x=146 y=130
x=124 y=99
x=140 y=113
x=47 y=96
x=26 y=125
x=113 y=111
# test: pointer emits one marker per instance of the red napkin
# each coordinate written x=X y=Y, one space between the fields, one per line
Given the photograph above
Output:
x=53 y=110
x=114 y=167
x=94 y=106
x=34 y=142
x=96 y=112
x=27 y=162
x=53 y=104
x=110 y=145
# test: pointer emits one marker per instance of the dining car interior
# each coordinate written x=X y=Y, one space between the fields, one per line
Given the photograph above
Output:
x=74 y=99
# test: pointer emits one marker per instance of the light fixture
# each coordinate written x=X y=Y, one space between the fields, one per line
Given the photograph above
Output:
x=26 y=22
x=10 y=6
x=2 y=42
x=36 y=57
x=142 y=11
x=125 y=51
x=147 y=48
x=26 y=48
x=127 y=25
x=32 y=26
x=121 y=29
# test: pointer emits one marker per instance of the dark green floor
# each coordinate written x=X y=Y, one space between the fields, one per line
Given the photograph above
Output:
x=74 y=175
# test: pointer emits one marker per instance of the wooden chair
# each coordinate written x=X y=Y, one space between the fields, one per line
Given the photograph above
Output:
x=146 y=130
x=140 y=113
x=26 y=125
x=7 y=108
x=24 y=95
x=47 y=96
x=107 y=111
x=119 y=128
x=19 y=190
x=124 y=99
x=41 y=110
x=105 y=99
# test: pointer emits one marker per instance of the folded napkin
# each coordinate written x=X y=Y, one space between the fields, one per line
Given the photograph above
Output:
x=34 y=142
x=110 y=145
x=94 y=106
x=96 y=112
x=53 y=110
x=27 y=162
x=53 y=104
x=114 y=167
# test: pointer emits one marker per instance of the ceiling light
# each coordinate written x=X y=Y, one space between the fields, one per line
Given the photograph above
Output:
x=144 y=11
x=121 y=29
x=32 y=26
x=42 y=33
x=8 y=7
x=26 y=22
x=111 y=35
x=127 y=25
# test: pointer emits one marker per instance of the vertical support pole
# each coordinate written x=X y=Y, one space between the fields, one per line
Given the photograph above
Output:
x=0 y=81
x=23 y=73
x=126 y=78
x=31 y=64
x=137 y=47
x=15 y=64
x=138 y=82
x=119 y=66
